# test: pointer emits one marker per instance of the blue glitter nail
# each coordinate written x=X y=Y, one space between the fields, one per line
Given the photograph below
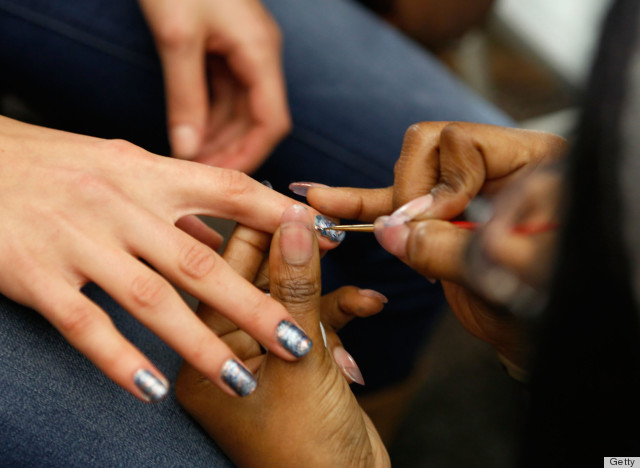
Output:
x=238 y=378
x=293 y=339
x=322 y=223
x=153 y=388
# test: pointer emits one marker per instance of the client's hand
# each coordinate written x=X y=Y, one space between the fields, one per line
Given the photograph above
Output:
x=299 y=414
x=78 y=209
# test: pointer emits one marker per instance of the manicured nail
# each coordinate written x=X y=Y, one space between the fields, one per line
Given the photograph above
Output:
x=410 y=210
x=374 y=294
x=322 y=223
x=236 y=376
x=153 y=388
x=267 y=184
x=301 y=188
x=348 y=365
x=296 y=236
x=184 y=141
x=293 y=339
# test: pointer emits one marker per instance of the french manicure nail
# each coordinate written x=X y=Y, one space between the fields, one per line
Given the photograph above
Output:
x=348 y=365
x=153 y=388
x=236 y=376
x=321 y=225
x=296 y=236
x=410 y=210
x=184 y=140
x=301 y=188
x=374 y=294
x=293 y=339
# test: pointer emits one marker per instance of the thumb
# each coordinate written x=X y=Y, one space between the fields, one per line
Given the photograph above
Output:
x=294 y=269
x=187 y=98
x=433 y=248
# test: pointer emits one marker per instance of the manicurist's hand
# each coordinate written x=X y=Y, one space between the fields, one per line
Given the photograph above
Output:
x=77 y=209
x=442 y=167
x=302 y=413
x=223 y=76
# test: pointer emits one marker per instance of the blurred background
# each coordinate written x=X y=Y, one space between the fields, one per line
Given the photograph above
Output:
x=531 y=58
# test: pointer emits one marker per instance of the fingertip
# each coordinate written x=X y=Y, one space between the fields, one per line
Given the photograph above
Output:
x=302 y=188
x=151 y=385
x=185 y=141
x=393 y=238
x=238 y=378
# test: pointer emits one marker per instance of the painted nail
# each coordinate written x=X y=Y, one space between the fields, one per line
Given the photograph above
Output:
x=322 y=223
x=267 y=184
x=184 y=141
x=293 y=339
x=301 y=188
x=296 y=236
x=410 y=210
x=374 y=294
x=153 y=388
x=348 y=365
x=236 y=376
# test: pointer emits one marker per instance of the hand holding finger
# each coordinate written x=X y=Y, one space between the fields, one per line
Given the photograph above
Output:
x=456 y=161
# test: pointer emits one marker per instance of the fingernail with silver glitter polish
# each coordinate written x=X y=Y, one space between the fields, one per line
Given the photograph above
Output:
x=153 y=388
x=301 y=188
x=293 y=339
x=322 y=223
x=236 y=376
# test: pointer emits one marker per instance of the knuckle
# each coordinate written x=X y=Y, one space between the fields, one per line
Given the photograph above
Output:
x=297 y=290
x=234 y=183
x=196 y=260
x=76 y=320
x=174 y=34
x=117 y=148
x=148 y=290
x=414 y=129
x=452 y=131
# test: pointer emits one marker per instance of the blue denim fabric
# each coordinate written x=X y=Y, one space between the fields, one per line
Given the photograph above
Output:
x=58 y=410
x=354 y=86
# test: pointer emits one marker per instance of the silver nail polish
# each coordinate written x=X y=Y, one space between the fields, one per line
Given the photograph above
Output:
x=267 y=184
x=153 y=388
x=293 y=339
x=238 y=378
x=322 y=223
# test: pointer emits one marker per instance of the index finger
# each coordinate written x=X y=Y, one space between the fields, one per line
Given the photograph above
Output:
x=194 y=188
x=351 y=203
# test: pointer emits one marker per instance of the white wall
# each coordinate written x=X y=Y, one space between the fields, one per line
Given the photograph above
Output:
x=563 y=33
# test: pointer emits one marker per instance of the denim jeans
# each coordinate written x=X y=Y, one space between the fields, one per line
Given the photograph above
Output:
x=354 y=86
